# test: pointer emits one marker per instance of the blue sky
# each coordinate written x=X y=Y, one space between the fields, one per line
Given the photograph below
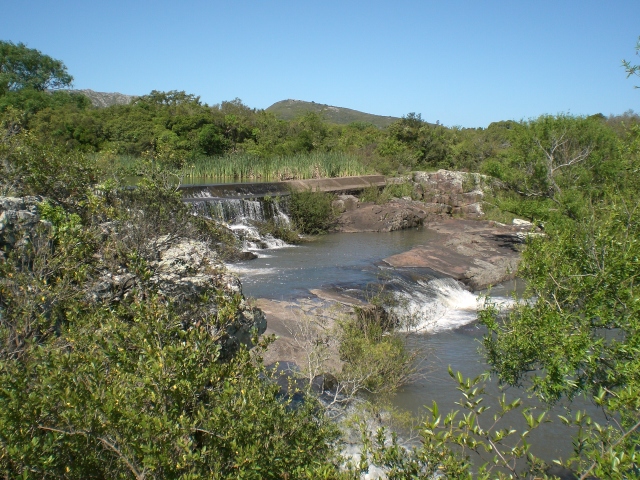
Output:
x=464 y=63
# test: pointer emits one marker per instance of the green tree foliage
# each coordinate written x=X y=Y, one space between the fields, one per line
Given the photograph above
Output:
x=465 y=444
x=578 y=330
x=311 y=212
x=128 y=392
x=27 y=68
x=555 y=163
x=135 y=385
x=29 y=166
x=376 y=359
x=630 y=68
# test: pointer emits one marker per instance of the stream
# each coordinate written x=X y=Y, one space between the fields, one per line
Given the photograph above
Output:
x=445 y=312
x=449 y=334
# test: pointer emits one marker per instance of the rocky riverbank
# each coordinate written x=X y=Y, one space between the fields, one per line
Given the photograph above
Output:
x=475 y=252
x=179 y=268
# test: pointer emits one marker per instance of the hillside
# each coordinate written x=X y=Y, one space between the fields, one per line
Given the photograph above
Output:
x=289 y=109
x=103 y=99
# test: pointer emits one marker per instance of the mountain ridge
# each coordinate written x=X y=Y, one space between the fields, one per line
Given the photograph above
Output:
x=105 y=99
x=285 y=109
x=290 y=109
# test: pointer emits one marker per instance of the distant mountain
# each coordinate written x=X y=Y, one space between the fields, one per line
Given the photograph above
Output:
x=102 y=99
x=289 y=109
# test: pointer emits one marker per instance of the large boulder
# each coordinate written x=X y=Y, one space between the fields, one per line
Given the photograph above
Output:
x=20 y=222
x=398 y=214
x=345 y=203
x=449 y=192
x=184 y=270
x=187 y=268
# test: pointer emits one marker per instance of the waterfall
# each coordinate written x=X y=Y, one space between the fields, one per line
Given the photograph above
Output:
x=242 y=215
x=432 y=305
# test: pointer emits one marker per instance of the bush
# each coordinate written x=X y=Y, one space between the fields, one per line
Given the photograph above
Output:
x=129 y=392
x=276 y=230
x=133 y=386
x=375 y=357
x=29 y=166
x=312 y=212
x=389 y=192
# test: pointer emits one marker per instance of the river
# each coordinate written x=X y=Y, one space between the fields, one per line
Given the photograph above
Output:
x=450 y=337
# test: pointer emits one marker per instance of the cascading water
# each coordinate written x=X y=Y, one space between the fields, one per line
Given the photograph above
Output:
x=441 y=312
x=435 y=305
x=432 y=305
x=242 y=215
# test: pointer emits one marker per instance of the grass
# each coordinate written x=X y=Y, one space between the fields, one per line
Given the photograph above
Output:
x=294 y=167
x=389 y=192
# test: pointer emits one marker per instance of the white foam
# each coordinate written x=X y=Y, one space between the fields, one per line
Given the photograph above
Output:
x=439 y=304
x=245 y=270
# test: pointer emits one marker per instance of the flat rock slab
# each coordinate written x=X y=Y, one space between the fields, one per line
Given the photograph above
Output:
x=297 y=325
x=478 y=253
x=395 y=215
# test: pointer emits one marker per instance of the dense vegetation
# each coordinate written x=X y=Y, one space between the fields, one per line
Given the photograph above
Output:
x=135 y=385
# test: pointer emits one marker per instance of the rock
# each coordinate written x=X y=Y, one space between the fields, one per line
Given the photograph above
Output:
x=375 y=472
x=19 y=222
x=450 y=192
x=325 y=382
x=182 y=271
x=398 y=214
x=187 y=268
x=522 y=223
x=242 y=256
x=522 y=237
x=475 y=252
x=345 y=203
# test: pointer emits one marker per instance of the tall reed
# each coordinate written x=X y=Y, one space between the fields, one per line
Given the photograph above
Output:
x=293 y=167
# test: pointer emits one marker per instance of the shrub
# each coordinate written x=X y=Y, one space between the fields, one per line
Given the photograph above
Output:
x=129 y=392
x=277 y=230
x=134 y=386
x=312 y=212
x=375 y=357
x=31 y=167
x=389 y=192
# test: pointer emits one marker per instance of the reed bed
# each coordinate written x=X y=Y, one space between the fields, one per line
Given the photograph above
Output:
x=294 y=167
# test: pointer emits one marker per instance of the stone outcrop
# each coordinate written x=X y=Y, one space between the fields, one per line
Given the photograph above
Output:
x=187 y=268
x=345 y=203
x=398 y=214
x=19 y=222
x=478 y=253
x=182 y=271
x=455 y=193
x=434 y=195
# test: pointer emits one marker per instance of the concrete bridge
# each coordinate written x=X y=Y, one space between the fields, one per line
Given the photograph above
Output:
x=192 y=193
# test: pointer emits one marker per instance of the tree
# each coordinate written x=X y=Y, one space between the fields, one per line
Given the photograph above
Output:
x=632 y=69
x=27 y=68
x=578 y=330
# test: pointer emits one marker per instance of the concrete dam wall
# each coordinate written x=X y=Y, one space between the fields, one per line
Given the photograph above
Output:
x=194 y=193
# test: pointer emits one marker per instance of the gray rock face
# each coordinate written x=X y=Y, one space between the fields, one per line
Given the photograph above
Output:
x=187 y=268
x=451 y=192
x=104 y=99
x=441 y=193
x=345 y=203
x=19 y=222
x=478 y=253
x=182 y=271
x=396 y=215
